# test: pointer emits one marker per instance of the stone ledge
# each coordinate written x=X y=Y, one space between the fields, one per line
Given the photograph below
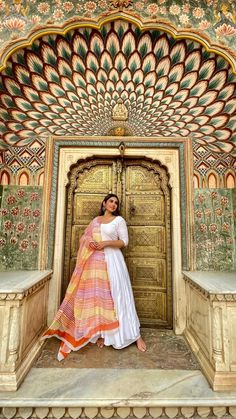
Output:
x=215 y=285
x=123 y=394
x=15 y=285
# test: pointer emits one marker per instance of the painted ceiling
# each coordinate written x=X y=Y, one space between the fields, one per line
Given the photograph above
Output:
x=214 y=18
x=69 y=85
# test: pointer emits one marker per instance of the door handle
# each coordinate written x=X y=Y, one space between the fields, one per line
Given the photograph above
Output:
x=132 y=209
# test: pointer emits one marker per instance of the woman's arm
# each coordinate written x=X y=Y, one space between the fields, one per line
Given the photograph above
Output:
x=109 y=243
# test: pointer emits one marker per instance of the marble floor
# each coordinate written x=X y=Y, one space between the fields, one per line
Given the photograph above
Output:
x=165 y=351
x=165 y=382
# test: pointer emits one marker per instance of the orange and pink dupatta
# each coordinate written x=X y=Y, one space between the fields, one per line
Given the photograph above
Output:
x=88 y=308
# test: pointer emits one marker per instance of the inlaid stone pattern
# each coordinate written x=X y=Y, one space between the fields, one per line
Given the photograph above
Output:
x=20 y=227
x=215 y=229
x=123 y=412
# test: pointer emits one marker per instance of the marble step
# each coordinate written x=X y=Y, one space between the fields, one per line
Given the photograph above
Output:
x=115 y=393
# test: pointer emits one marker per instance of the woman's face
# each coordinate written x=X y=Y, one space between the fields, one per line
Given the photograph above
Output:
x=111 y=204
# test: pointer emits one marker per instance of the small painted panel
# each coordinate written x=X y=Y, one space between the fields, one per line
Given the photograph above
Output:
x=214 y=230
x=20 y=227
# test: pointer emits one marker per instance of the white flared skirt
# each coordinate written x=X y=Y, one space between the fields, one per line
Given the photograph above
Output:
x=122 y=294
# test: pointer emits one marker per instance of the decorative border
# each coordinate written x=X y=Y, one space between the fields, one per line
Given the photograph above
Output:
x=222 y=409
x=143 y=24
x=58 y=143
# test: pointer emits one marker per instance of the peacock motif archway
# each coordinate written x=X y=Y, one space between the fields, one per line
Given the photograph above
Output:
x=69 y=83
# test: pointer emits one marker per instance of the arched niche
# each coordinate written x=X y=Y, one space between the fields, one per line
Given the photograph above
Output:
x=40 y=178
x=5 y=178
x=196 y=181
x=23 y=178
x=230 y=180
x=212 y=180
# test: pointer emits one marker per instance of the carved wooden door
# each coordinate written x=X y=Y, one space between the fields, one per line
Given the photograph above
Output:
x=142 y=187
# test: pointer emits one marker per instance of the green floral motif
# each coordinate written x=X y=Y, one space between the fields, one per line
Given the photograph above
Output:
x=20 y=227
x=214 y=230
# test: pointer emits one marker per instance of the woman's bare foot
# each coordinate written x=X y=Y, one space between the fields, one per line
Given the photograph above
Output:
x=100 y=343
x=141 y=345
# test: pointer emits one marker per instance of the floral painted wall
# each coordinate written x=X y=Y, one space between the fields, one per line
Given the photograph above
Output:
x=214 y=229
x=20 y=227
x=213 y=18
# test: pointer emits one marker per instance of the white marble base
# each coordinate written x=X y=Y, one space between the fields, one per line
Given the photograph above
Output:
x=116 y=393
x=23 y=317
x=211 y=325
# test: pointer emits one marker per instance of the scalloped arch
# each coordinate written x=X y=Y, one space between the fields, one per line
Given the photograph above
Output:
x=142 y=24
x=67 y=81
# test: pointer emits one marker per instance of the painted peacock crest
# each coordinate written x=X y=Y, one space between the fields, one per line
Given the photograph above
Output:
x=69 y=85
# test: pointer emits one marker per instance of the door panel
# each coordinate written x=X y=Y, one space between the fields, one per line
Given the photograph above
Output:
x=151 y=272
x=145 y=207
x=147 y=212
x=147 y=240
x=145 y=204
x=151 y=307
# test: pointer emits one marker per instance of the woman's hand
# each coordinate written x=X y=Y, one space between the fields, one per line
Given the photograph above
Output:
x=101 y=245
x=97 y=245
x=93 y=245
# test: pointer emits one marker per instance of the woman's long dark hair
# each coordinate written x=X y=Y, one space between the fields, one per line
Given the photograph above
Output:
x=110 y=195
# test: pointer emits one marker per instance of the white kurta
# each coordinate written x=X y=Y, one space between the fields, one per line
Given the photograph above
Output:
x=122 y=294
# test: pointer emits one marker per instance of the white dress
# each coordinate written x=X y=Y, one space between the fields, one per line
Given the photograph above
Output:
x=122 y=294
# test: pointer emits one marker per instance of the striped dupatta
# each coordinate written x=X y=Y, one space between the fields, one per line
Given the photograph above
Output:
x=88 y=308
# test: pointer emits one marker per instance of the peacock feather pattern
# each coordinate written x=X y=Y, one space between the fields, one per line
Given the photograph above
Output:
x=69 y=85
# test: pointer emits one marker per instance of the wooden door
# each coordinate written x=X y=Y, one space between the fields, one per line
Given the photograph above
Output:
x=142 y=187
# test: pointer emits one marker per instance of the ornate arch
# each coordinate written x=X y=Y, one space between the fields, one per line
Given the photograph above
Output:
x=183 y=86
x=97 y=23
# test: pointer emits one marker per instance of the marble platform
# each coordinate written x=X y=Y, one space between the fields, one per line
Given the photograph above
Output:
x=211 y=325
x=118 y=393
x=23 y=317
x=16 y=282
x=213 y=282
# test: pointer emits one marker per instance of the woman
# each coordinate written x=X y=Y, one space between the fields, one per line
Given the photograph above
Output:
x=99 y=304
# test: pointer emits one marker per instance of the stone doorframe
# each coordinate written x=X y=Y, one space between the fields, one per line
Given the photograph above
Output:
x=175 y=154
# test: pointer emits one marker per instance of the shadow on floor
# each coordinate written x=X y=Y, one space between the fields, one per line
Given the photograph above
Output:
x=165 y=351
